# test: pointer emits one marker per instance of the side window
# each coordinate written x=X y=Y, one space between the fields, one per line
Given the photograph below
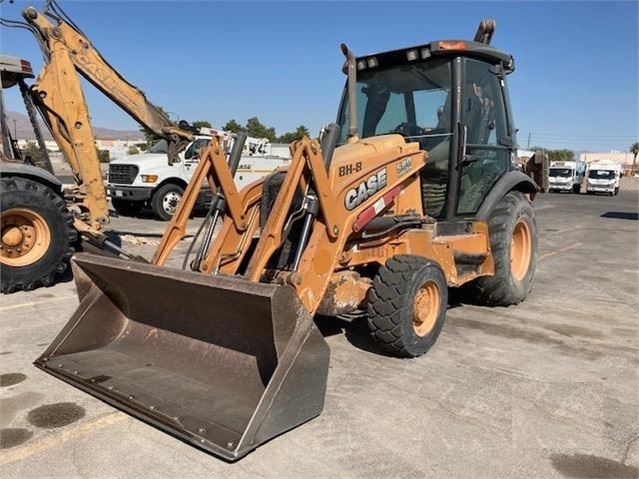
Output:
x=193 y=151
x=483 y=105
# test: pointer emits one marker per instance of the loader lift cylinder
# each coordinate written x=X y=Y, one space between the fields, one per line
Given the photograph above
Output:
x=218 y=204
x=312 y=207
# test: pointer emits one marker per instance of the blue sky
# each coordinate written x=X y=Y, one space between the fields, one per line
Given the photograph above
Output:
x=575 y=86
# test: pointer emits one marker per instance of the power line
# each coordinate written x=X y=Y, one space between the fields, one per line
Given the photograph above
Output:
x=597 y=137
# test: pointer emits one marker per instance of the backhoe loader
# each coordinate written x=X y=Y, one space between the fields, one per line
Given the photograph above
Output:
x=41 y=223
x=381 y=215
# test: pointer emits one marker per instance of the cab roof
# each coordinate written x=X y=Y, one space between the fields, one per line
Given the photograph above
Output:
x=436 y=49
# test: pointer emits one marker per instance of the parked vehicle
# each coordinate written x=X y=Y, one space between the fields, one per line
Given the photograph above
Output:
x=566 y=176
x=147 y=179
x=603 y=177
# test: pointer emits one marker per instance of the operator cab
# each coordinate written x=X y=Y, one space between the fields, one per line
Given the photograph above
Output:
x=13 y=70
x=451 y=98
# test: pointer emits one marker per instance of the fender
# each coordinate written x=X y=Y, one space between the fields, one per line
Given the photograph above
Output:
x=513 y=180
x=21 y=170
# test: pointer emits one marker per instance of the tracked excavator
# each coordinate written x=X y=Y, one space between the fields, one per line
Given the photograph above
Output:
x=42 y=223
x=414 y=190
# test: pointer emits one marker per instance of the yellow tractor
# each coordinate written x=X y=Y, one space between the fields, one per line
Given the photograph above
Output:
x=413 y=191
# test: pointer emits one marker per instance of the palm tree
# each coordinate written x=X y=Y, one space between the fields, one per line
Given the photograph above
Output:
x=634 y=149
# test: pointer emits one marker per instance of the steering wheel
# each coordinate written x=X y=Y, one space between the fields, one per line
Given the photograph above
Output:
x=408 y=129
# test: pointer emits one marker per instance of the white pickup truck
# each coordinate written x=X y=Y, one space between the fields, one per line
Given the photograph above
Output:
x=147 y=179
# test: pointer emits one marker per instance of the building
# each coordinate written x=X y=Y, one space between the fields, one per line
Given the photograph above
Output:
x=117 y=148
x=623 y=158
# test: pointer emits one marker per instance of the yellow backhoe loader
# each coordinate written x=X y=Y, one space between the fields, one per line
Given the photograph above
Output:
x=40 y=221
x=382 y=214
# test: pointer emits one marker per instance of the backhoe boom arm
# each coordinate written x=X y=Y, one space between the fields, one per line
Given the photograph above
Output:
x=58 y=94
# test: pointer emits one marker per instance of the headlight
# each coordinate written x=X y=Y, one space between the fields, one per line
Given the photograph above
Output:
x=149 y=178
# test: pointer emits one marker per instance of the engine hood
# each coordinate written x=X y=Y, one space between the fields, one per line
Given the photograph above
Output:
x=146 y=161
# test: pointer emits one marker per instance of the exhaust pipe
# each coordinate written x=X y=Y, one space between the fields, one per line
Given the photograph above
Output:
x=352 y=93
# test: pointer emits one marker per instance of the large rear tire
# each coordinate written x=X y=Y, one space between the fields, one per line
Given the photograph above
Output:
x=407 y=305
x=513 y=242
x=38 y=237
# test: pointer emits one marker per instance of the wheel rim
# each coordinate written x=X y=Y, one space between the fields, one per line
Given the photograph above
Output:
x=520 y=250
x=425 y=308
x=25 y=237
x=170 y=202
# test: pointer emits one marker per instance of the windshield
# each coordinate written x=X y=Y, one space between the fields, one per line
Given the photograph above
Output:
x=413 y=100
x=601 y=174
x=560 y=172
x=159 y=146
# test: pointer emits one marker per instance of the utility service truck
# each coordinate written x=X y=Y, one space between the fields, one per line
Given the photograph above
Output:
x=566 y=176
x=603 y=177
x=147 y=179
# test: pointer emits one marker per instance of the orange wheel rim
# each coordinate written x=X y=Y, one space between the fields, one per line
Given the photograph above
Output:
x=520 y=250
x=425 y=308
x=25 y=237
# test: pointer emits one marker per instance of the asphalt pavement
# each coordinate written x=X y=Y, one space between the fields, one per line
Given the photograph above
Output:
x=547 y=388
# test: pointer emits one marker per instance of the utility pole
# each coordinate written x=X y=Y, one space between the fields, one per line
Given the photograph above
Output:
x=528 y=140
x=15 y=134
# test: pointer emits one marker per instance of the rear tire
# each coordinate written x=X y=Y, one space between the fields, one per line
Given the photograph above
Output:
x=126 y=207
x=407 y=305
x=165 y=200
x=36 y=220
x=513 y=242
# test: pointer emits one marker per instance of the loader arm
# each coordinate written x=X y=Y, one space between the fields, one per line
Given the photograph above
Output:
x=58 y=94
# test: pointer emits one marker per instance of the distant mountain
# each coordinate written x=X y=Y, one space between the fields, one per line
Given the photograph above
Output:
x=24 y=132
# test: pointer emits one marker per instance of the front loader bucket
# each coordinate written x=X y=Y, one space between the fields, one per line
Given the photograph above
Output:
x=223 y=363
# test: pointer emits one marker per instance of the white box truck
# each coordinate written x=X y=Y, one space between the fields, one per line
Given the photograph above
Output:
x=602 y=176
x=147 y=179
x=566 y=176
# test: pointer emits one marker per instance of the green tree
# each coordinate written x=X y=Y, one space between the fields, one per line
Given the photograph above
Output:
x=103 y=155
x=634 y=149
x=142 y=146
x=201 y=124
x=133 y=150
x=32 y=151
x=255 y=129
x=556 y=155
x=298 y=134
x=234 y=127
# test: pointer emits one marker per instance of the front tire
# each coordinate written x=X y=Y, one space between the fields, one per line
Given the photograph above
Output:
x=165 y=200
x=407 y=305
x=38 y=237
x=513 y=243
x=576 y=189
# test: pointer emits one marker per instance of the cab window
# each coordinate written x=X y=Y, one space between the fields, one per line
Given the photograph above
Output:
x=193 y=151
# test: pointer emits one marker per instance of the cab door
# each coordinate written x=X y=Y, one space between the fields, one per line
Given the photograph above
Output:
x=489 y=142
